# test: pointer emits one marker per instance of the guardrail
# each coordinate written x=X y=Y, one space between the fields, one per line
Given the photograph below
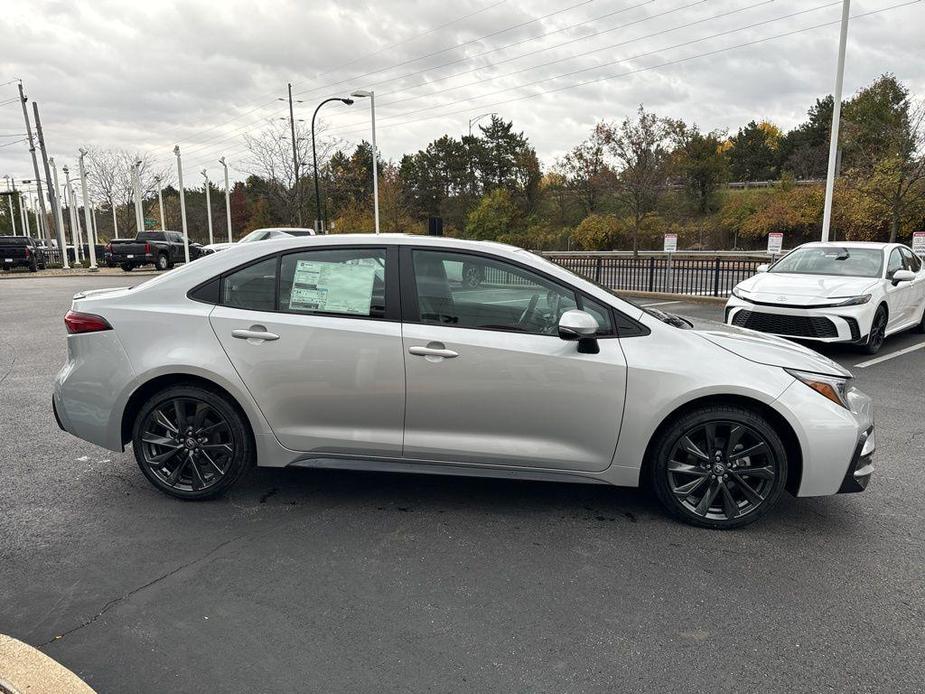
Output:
x=701 y=274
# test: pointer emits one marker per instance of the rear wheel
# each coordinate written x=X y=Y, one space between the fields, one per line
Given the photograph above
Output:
x=162 y=263
x=34 y=266
x=877 y=333
x=126 y=267
x=192 y=443
x=719 y=467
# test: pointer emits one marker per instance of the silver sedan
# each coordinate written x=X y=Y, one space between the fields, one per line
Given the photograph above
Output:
x=372 y=353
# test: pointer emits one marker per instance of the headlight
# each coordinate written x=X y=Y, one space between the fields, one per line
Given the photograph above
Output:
x=740 y=293
x=835 y=388
x=850 y=300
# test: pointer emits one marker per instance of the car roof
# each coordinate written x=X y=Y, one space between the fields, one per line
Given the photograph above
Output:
x=850 y=244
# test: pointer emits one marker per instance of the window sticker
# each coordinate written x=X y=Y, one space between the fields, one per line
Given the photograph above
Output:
x=332 y=287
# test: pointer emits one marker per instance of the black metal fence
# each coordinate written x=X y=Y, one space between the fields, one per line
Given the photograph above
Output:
x=700 y=275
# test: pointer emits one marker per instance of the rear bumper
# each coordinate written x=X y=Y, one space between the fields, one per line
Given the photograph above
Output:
x=135 y=259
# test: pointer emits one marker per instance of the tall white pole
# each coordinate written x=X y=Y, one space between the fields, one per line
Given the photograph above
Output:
x=160 y=201
x=372 y=109
x=75 y=222
x=836 y=121
x=88 y=219
x=139 y=209
x=10 y=200
x=115 y=221
x=62 y=244
x=205 y=175
x=227 y=198
x=24 y=211
x=176 y=150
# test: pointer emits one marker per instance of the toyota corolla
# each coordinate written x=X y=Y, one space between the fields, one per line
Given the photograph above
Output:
x=370 y=353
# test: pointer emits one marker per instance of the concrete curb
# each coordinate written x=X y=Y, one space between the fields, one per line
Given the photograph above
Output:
x=686 y=298
x=73 y=273
x=24 y=669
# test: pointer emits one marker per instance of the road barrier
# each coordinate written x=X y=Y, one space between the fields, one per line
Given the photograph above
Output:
x=695 y=274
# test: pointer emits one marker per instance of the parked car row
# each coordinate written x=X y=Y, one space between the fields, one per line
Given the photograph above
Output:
x=22 y=251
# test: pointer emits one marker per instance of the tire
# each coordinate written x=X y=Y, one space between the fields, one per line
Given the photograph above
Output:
x=740 y=490
x=190 y=464
x=126 y=267
x=162 y=263
x=877 y=333
x=34 y=266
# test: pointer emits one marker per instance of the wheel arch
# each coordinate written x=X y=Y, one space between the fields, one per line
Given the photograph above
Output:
x=138 y=397
x=781 y=426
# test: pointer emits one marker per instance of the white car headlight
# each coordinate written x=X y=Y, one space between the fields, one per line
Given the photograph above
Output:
x=835 y=388
x=850 y=300
x=740 y=293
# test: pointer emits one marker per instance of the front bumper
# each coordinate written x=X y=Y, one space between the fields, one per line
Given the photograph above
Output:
x=833 y=324
x=861 y=467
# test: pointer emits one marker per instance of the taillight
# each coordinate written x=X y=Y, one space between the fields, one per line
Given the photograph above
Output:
x=85 y=323
x=109 y=248
x=147 y=248
x=28 y=253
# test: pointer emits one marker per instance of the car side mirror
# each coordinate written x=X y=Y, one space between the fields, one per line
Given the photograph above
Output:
x=580 y=326
x=902 y=276
x=763 y=267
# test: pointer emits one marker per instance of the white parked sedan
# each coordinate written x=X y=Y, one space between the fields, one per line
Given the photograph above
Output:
x=360 y=352
x=835 y=292
x=265 y=234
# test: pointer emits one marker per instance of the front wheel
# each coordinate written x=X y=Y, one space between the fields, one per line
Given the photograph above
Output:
x=877 y=333
x=192 y=443
x=162 y=263
x=719 y=467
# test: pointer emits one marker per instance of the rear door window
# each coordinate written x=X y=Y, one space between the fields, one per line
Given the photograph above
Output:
x=343 y=282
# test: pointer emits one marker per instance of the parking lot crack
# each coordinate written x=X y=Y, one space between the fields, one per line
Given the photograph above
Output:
x=115 y=601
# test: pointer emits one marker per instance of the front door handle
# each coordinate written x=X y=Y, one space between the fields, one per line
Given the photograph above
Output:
x=432 y=350
x=253 y=334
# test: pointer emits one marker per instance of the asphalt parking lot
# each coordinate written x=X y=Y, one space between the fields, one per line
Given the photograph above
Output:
x=303 y=580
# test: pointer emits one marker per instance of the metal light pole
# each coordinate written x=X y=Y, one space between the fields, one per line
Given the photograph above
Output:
x=59 y=219
x=836 y=121
x=227 y=197
x=10 y=200
x=88 y=221
x=115 y=221
x=52 y=193
x=362 y=93
x=205 y=175
x=139 y=208
x=35 y=163
x=320 y=220
x=76 y=237
x=295 y=155
x=160 y=201
x=176 y=150
x=24 y=213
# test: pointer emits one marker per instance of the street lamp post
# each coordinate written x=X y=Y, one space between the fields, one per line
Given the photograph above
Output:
x=320 y=220
x=75 y=221
x=160 y=201
x=59 y=219
x=205 y=175
x=176 y=150
x=227 y=198
x=362 y=93
x=139 y=208
x=88 y=221
x=10 y=200
x=836 y=121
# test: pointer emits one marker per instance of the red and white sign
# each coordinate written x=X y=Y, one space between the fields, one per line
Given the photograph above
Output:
x=918 y=243
x=671 y=243
x=775 y=243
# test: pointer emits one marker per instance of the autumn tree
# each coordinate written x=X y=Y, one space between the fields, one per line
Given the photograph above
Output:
x=587 y=171
x=753 y=154
x=702 y=165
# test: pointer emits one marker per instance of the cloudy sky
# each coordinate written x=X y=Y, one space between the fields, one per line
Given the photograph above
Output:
x=148 y=75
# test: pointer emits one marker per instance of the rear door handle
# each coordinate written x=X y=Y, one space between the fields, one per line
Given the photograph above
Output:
x=420 y=351
x=254 y=335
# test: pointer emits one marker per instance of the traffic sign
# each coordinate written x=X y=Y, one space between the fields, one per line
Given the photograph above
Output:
x=918 y=243
x=671 y=243
x=775 y=243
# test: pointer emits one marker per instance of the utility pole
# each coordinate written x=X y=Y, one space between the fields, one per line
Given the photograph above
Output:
x=35 y=163
x=295 y=158
x=160 y=201
x=52 y=194
x=59 y=219
x=176 y=150
x=88 y=220
x=205 y=175
x=12 y=191
x=227 y=197
x=836 y=121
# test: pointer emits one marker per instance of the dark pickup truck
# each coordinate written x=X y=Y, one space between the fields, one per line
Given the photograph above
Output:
x=21 y=251
x=161 y=248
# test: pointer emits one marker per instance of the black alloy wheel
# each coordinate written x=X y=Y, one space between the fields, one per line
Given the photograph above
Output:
x=191 y=443
x=877 y=332
x=722 y=467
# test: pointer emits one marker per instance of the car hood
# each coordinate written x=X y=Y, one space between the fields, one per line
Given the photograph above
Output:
x=217 y=246
x=766 y=349
x=803 y=290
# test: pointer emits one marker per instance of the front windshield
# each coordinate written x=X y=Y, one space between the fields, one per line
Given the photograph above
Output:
x=832 y=260
x=255 y=235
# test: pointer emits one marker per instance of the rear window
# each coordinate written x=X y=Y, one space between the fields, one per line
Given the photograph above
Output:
x=150 y=236
x=14 y=241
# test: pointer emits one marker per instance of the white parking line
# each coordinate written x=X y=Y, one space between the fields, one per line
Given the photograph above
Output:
x=885 y=357
x=662 y=303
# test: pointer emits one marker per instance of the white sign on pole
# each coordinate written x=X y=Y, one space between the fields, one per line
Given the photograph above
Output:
x=671 y=243
x=775 y=243
x=918 y=243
